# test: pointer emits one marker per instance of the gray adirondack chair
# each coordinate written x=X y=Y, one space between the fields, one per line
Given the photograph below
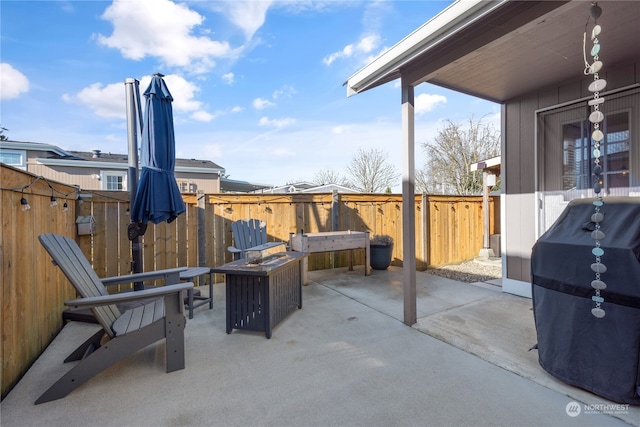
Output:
x=247 y=233
x=160 y=316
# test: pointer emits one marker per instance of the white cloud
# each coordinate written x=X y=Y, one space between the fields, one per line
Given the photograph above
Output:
x=286 y=91
x=375 y=13
x=237 y=109
x=345 y=52
x=162 y=29
x=12 y=82
x=364 y=46
x=203 y=116
x=228 y=78
x=337 y=130
x=276 y=123
x=182 y=91
x=368 y=43
x=66 y=6
x=109 y=101
x=248 y=15
x=261 y=103
x=427 y=102
x=105 y=101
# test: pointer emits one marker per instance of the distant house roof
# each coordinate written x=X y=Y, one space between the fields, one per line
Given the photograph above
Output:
x=182 y=165
x=308 y=187
x=33 y=146
x=233 y=186
x=329 y=188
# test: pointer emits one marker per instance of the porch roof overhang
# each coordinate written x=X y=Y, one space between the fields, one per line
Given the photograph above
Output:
x=496 y=50
x=502 y=49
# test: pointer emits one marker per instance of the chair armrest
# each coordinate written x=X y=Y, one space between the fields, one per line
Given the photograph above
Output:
x=129 y=296
x=234 y=250
x=171 y=275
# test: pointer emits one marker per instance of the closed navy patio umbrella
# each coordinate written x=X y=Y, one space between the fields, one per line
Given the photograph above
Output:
x=158 y=198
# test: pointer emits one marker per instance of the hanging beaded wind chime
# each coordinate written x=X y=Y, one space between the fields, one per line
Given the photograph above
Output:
x=596 y=118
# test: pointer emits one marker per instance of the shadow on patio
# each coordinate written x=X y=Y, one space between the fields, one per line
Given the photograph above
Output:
x=346 y=358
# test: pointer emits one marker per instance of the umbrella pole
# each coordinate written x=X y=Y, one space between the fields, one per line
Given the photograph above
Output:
x=134 y=115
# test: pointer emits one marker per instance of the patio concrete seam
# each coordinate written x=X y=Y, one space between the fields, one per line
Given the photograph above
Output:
x=455 y=307
x=360 y=302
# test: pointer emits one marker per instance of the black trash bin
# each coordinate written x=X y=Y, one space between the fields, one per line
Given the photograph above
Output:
x=599 y=355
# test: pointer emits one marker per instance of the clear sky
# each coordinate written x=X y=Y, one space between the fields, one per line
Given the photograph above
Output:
x=257 y=85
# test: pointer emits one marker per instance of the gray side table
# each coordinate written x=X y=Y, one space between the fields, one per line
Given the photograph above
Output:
x=194 y=295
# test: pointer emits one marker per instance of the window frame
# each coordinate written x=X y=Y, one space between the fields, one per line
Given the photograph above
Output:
x=104 y=181
x=23 y=158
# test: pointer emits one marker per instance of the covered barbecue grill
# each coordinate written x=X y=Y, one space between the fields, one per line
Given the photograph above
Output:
x=599 y=355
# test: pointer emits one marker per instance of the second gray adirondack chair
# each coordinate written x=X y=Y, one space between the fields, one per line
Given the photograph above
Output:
x=247 y=233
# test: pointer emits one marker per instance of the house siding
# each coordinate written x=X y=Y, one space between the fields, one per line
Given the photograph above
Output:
x=208 y=185
x=74 y=176
x=519 y=167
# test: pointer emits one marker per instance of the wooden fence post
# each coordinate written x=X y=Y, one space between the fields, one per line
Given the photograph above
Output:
x=335 y=211
x=335 y=220
x=424 y=207
x=202 y=229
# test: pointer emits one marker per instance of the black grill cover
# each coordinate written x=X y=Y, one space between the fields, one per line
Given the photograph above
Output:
x=599 y=355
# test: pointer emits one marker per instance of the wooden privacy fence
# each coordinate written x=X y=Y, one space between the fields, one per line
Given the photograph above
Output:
x=448 y=230
x=32 y=289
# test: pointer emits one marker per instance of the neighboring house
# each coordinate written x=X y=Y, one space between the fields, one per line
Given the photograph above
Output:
x=307 y=187
x=528 y=57
x=328 y=188
x=97 y=170
x=234 y=186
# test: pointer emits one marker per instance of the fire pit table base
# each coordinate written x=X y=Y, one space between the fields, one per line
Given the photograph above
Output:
x=259 y=296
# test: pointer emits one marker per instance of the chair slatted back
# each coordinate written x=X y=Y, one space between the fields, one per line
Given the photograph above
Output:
x=67 y=255
x=248 y=233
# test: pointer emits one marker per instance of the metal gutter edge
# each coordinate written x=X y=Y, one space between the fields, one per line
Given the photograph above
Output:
x=32 y=146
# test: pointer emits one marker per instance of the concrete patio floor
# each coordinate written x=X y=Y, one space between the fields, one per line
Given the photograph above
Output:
x=345 y=359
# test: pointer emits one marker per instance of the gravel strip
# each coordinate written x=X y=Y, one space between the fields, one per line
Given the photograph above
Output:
x=470 y=271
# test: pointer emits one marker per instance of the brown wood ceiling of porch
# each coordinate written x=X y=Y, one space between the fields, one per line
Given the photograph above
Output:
x=525 y=46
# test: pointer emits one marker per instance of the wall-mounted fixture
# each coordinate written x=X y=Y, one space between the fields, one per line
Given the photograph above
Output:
x=86 y=225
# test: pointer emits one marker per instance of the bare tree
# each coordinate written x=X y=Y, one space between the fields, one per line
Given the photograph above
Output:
x=423 y=182
x=329 y=176
x=449 y=157
x=370 y=172
x=3 y=137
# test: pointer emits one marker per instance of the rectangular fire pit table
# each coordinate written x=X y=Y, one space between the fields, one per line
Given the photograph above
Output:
x=332 y=241
x=261 y=294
